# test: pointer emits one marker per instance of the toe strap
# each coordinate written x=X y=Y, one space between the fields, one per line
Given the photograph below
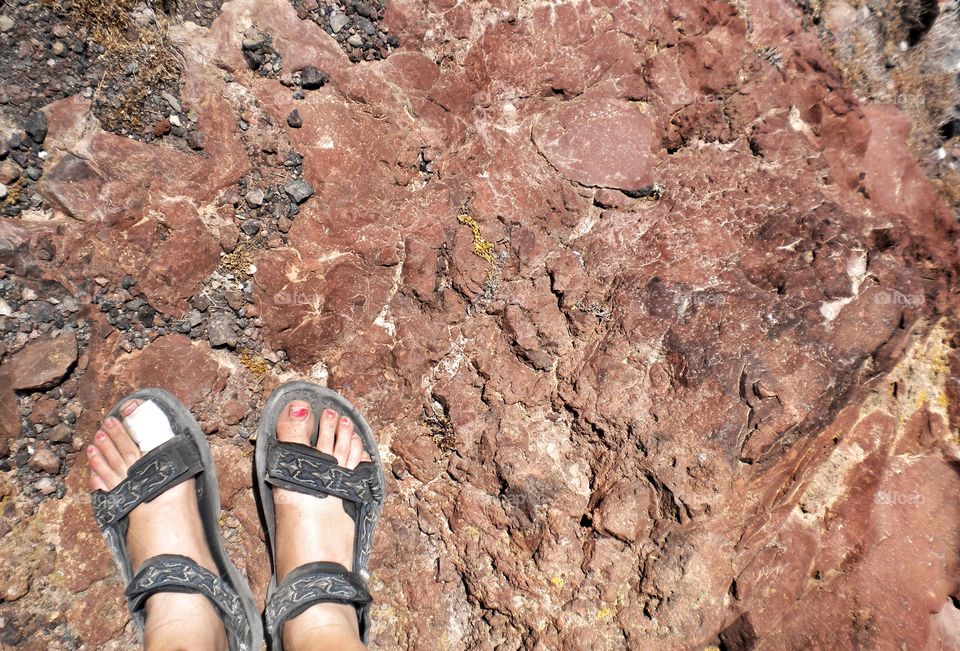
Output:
x=313 y=583
x=163 y=467
x=307 y=470
x=174 y=573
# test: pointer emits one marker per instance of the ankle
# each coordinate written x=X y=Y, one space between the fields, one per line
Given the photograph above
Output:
x=174 y=616
x=321 y=621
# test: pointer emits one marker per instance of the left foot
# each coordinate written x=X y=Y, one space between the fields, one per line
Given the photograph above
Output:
x=169 y=524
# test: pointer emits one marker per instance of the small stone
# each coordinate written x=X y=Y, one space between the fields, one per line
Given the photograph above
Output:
x=284 y=224
x=338 y=20
x=6 y=23
x=195 y=140
x=312 y=78
x=36 y=126
x=58 y=48
x=294 y=119
x=356 y=40
x=3 y=192
x=9 y=172
x=220 y=330
x=44 y=460
x=299 y=190
x=162 y=128
x=34 y=173
x=45 y=486
x=172 y=101
x=60 y=434
x=17 y=586
x=175 y=120
x=255 y=198
x=251 y=227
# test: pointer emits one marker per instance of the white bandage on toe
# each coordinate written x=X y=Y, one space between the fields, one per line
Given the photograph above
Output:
x=148 y=426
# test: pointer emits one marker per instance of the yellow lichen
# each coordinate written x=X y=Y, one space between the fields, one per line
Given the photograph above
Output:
x=481 y=247
x=558 y=581
x=254 y=363
x=606 y=614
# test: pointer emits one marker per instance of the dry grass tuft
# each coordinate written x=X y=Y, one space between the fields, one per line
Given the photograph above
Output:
x=138 y=59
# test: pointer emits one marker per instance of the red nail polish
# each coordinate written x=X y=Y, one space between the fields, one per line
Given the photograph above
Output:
x=299 y=412
x=91 y=450
x=345 y=420
x=100 y=436
x=329 y=413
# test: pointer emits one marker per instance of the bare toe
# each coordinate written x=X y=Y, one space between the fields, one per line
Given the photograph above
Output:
x=106 y=447
x=341 y=448
x=328 y=428
x=295 y=424
x=96 y=483
x=102 y=468
x=356 y=452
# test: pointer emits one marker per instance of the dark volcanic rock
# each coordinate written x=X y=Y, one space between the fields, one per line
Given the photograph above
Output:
x=36 y=126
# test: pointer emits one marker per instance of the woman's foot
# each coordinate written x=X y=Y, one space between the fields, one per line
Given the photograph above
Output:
x=317 y=529
x=169 y=524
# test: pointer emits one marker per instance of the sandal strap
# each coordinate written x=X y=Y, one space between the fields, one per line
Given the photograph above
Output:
x=163 y=467
x=307 y=470
x=313 y=583
x=175 y=573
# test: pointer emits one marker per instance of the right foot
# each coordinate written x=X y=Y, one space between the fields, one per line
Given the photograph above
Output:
x=169 y=524
x=316 y=529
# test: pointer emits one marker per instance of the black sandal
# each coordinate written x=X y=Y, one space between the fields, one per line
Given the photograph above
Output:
x=297 y=467
x=185 y=456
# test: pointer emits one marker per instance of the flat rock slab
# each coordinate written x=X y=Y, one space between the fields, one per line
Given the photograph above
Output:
x=605 y=143
x=43 y=362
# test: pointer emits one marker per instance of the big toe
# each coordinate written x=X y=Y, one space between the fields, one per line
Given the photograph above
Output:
x=295 y=424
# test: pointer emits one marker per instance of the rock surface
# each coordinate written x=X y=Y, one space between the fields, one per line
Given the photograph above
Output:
x=655 y=322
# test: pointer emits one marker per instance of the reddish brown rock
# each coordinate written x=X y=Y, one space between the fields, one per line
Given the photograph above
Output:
x=651 y=317
x=604 y=143
x=43 y=362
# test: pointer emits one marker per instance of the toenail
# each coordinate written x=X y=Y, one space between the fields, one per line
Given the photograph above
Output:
x=100 y=436
x=112 y=422
x=329 y=413
x=91 y=450
x=299 y=412
x=344 y=421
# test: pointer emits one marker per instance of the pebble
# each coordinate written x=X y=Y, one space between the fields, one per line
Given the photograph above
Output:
x=255 y=198
x=311 y=78
x=172 y=101
x=3 y=192
x=175 y=120
x=36 y=126
x=251 y=227
x=294 y=119
x=338 y=20
x=299 y=190
x=44 y=459
x=34 y=172
x=195 y=140
x=220 y=330
x=58 y=48
x=6 y=23
x=45 y=485
x=356 y=40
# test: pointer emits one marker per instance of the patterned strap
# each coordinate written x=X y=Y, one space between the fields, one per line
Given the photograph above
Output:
x=315 y=583
x=167 y=465
x=174 y=573
x=307 y=470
